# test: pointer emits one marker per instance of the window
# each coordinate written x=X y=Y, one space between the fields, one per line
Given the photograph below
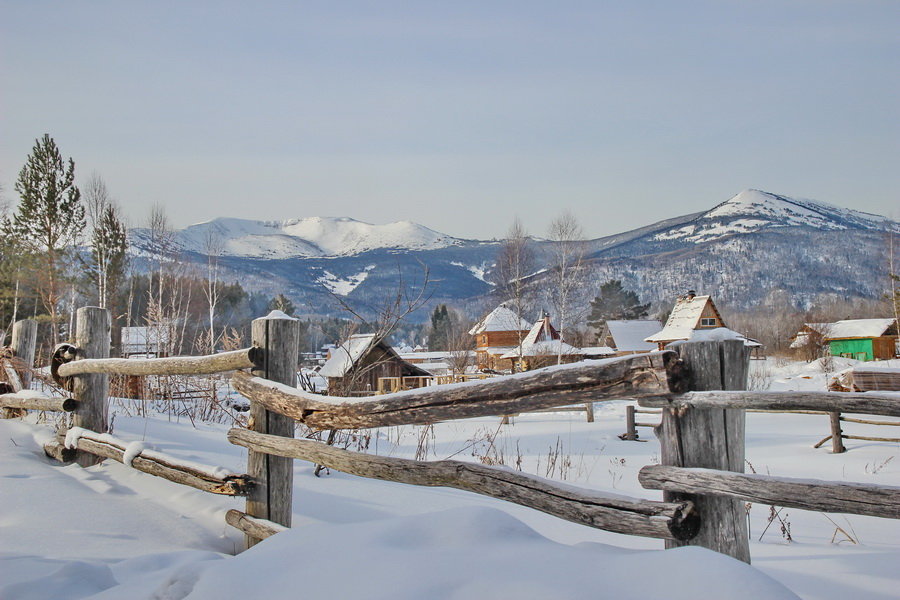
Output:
x=708 y=322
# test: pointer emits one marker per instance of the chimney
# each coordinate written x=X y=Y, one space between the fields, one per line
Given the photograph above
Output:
x=690 y=295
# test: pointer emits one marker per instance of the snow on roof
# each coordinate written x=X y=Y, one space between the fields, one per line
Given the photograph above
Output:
x=682 y=320
x=629 y=335
x=541 y=331
x=500 y=319
x=544 y=348
x=857 y=328
x=344 y=356
x=599 y=350
x=719 y=334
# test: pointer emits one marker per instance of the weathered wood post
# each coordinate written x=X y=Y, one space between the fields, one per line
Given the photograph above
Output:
x=24 y=339
x=279 y=338
x=92 y=326
x=712 y=439
x=630 y=429
x=837 y=439
x=589 y=409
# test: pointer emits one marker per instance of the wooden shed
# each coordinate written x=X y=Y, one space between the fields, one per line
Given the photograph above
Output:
x=863 y=339
x=355 y=367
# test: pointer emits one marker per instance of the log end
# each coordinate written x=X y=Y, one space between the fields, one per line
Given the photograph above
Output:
x=69 y=404
x=685 y=523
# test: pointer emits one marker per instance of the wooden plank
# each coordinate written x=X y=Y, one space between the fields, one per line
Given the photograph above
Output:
x=92 y=326
x=259 y=529
x=712 y=438
x=173 y=365
x=807 y=494
x=631 y=516
x=871 y=403
x=627 y=376
x=35 y=401
x=23 y=343
x=105 y=446
x=279 y=341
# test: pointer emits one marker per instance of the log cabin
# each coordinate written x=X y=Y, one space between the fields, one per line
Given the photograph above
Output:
x=355 y=366
x=690 y=313
x=499 y=332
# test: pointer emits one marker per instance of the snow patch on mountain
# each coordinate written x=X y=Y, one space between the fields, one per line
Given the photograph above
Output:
x=478 y=271
x=342 y=286
x=344 y=236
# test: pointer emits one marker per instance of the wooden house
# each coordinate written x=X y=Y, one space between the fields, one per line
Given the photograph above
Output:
x=355 y=367
x=496 y=334
x=863 y=339
x=809 y=342
x=541 y=347
x=690 y=313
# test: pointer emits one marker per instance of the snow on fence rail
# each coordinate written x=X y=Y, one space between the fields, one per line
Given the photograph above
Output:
x=701 y=436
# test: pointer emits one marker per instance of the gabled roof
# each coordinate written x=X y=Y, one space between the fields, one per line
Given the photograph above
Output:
x=629 y=335
x=684 y=318
x=541 y=331
x=345 y=355
x=857 y=328
x=500 y=319
x=354 y=349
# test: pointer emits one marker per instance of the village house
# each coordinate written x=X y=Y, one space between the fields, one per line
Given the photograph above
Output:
x=496 y=334
x=628 y=336
x=363 y=364
x=861 y=339
x=542 y=346
x=690 y=315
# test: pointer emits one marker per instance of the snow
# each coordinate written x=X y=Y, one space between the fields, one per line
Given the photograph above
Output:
x=685 y=316
x=344 y=356
x=305 y=237
x=500 y=319
x=342 y=286
x=857 y=328
x=279 y=315
x=112 y=532
x=132 y=451
x=629 y=335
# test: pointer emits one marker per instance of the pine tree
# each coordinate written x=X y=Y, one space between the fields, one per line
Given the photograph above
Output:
x=441 y=328
x=615 y=303
x=282 y=303
x=49 y=219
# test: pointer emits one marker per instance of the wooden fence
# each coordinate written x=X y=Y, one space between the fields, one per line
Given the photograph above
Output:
x=699 y=387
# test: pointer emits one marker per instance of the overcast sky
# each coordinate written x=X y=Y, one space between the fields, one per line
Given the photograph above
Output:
x=458 y=115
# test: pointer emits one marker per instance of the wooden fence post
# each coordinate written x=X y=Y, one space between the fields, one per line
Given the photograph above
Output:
x=712 y=439
x=92 y=326
x=837 y=439
x=630 y=429
x=279 y=338
x=589 y=409
x=24 y=338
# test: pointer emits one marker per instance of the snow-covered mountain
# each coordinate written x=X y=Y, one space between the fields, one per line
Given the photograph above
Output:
x=306 y=237
x=754 y=210
x=740 y=251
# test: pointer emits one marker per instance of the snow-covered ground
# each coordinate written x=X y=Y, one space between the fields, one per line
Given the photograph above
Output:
x=112 y=532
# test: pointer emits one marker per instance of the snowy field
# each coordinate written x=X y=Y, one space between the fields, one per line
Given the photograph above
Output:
x=111 y=532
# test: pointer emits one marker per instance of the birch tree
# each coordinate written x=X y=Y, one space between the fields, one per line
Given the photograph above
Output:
x=568 y=256
x=515 y=262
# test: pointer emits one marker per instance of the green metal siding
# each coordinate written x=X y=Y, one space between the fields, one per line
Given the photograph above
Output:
x=859 y=349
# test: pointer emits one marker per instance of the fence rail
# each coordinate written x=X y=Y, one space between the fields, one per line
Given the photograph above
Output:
x=29 y=400
x=620 y=514
x=701 y=434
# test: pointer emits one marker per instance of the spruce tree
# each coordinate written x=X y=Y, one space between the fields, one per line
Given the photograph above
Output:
x=441 y=328
x=615 y=303
x=49 y=219
x=282 y=303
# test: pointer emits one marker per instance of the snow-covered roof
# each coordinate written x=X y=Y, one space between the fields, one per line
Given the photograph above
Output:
x=599 y=350
x=629 y=335
x=344 y=356
x=857 y=328
x=683 y=319
x=500 y=319
x=544 y=348
x=541 y=331
x=719 y=334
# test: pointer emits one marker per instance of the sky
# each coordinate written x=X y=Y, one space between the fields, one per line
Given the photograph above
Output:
x=458 y=115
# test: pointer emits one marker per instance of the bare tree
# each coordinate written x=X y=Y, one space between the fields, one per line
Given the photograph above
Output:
x=515 y=263
x=568 y=255
x=213 y=248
